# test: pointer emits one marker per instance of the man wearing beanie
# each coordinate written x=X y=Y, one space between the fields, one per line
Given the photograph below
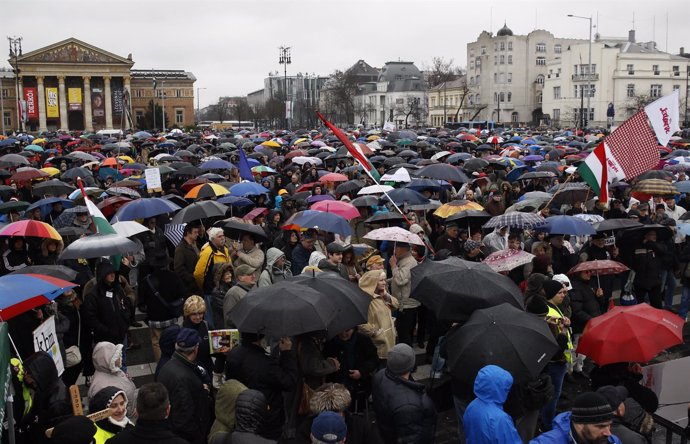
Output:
x=616 y=396
x=588 y=422
x=404 y=412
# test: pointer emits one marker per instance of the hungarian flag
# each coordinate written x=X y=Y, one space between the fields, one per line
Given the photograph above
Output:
x=632 y=148
x=354 y=151
x=100 y=223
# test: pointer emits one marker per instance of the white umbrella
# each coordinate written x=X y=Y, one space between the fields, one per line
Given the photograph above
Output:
x=301 y=160
x=401 y=175
x=375 y=189
x=129 y=228
x=98 y=245
x=440 y=154
x=394 y=234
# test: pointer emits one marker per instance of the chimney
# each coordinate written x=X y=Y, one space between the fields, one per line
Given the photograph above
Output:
x=682 y=50
x=631 y=36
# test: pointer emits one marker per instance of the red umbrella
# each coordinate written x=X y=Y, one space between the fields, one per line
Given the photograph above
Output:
x=296 y=153
x=334 y=177
x=110 y=205
x=30 y=228
x=345 y=209
x=634 y=333
x=599 y=267
x=27 y=173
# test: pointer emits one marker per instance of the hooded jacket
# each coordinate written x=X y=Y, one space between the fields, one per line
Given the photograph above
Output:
x=108 y=373
x=254 y=258
x=250 y=413
x=379 y=327
x=271 y=273
x=561 y=432
x=484 y=420
x=225 y=421
x=401 y=282
x=107 y=314
x=209 y=258
x=108 y=427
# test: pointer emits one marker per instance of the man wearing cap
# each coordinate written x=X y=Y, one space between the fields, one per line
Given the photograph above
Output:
x=404 y=413
x=616 y=396
x=472 y=251
x=190 y=401
x=246 y=280
x=402 y=264
x=375 y=262
x=450 y=240
x=588 y=422
x=334 y=260
x=328 y=428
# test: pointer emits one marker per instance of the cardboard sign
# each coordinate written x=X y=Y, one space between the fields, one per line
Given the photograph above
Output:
x=45 y=339
x=153 y=179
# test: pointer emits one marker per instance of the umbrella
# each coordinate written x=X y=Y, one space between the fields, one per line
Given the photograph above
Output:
x=570 y=193
x=217 y=164
x=283 y=309
x=394 y=234
x=506 y=260
x=129 y=228
x=235 y=201
x=634 y=333
x=600 y=268
x=107 y=205
x=566 y=225
x=319 y=220
x=537 y=175
x=423 y=274
x=234 y=228
x=206 y=190
x=375 y=189
x=616 y=224
x=333 y=177
x=456 y=206
x=364 y=201
x=402 y=196
x=56 y=271
x=28 y=173
x=655 y=187
x=13 y=206
x=98 y=245
x=426 y=184
x=474 y=164
x=478 y=215
x=30 y=228
x=351 y=302
x=508 y=337
x=46 y=205
x=515 y=220
x=400 y=175
x=349 y=186
x=590 y=218
x=73 y=173
x=244 y=189
x=199 y=210
x=13 y=160
x=344 y=209
x=443 y=171
x=144 y=208
x=633 y=236
x=122 y=191
x=385 y=217
x=22 y=292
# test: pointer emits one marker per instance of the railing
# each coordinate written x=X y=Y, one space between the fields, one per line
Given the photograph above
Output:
x=585 y=77
x=671 y=429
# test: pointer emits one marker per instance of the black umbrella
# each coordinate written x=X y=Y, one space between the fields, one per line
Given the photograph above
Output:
x=235 y=228
x=73 y=173
x=71 y=231
x=537 y=175
x=633 y=236
x=349 y=186
x=199 y=210
x=98 y=245
x=403 y=196
x=453 y=294
x=616 y=224
x=12 y=206
x=519 y=342
x=471 y=215
x=188 y=171
x=350 y=301
x=442 y=171
x=570 y=193
x=424 y=273
x=392 y=161
x=383 y=217
x=54 y=186
x=364 y=201
x=474 y=164
x=56 y=271
x=283 y=309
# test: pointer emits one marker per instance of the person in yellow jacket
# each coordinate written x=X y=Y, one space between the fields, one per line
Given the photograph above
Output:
x=213 y=254
x=379 y=326
x=116 y=400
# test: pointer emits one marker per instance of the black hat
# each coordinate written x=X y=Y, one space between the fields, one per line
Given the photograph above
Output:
x=591 y=408
x=614 y=394
x=74 y=430
x=335 y=247
x=538 y=306
x=551 y=287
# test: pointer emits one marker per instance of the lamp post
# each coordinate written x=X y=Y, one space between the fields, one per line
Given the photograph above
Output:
x=16 y=51
x=285 y=59
x=198 y=106
x=687 y=79
x=163 y=107
x=589 y=65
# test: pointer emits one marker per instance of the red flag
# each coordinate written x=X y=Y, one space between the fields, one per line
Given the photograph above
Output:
x=354 y=152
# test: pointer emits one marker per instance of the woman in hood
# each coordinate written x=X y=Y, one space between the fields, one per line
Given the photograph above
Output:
x=50 y=251
x=116 y=400
x=107 y=360
x=379 y=326
x=226 y=400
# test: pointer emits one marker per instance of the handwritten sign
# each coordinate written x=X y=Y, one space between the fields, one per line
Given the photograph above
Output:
x=153 y=179
x=45 y=339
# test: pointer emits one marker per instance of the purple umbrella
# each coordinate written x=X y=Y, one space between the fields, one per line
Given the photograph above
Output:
x=533 y=158
x=319 y=198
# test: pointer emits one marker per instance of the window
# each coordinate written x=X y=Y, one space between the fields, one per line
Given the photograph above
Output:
x=541 y=47
x=510 y=46
x=7 y=118
x=502 y=77
x=476 y=98
x=496 y=46
x=5 y=93
x=585 y=91
x=483 y=50
x=557 y=49
x=139 y=116
x=655 y=91
x=510 y=77
x=541 y=61
x=179 y=116
x=479 y=62
x=631 y=90
x=540 y=80
x=631 y=69
x=178 y=93
x=575 y=89
x=495 y=60
x=655 y=69
x=676 y=87
x=514 y=117
x=676 y=71
x=556 y=114
x=502 y=60
x=433 y=102
x=503 y=46
x=472 y=64
x=539 y=98
x=510 y=59
x=556 y=92
x=477 y=80
x=137 y=93
x=399 y=101
x=495 y=77
x=495 y=97
x=510 y=97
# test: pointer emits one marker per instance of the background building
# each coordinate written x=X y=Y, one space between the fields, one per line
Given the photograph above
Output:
x=176 y=85
x=449 y=102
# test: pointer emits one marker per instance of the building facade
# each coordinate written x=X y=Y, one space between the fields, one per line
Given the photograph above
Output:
x=176 y=86
x=72 y=85
x=507 y=73
x=625 y=74
x=449 y=102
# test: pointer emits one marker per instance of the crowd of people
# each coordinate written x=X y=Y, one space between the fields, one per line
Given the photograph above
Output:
x=319 y=386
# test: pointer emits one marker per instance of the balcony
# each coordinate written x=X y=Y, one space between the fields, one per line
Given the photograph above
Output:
x=585 y=77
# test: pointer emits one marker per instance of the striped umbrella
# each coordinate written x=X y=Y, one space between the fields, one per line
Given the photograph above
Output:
x=655 y=187
x=456 y=206
x=30 y=228
x=207 y=190
x=515 y=220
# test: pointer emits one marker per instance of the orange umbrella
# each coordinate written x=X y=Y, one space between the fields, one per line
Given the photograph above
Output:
x=30 y=228
x=110 y=161
x=456 y=206
x=206 y=190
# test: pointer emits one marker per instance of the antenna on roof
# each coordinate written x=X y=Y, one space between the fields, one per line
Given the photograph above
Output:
x=491 y=20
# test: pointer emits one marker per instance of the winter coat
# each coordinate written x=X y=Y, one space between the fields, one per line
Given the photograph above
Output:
x=485 y=421
x=184 y=264
x=404 y=413
x=190 y=403
x=107 y=428
x=271 y=273
x=561 y=433
x=401 y=282
x=339 y=269
x=106 y=312
x=250 y=365
x=148 y=431
x=203 y=357
x=357 y=353
x=562 y=260
x=314 y=367
x=584 y=304
x=254 y=258
x=232 y=297
x=220 y=288
x=250 y=411
x=209 y=258
x=648 y=264
x=379 y=327
x=167 y=345
x=108 y=374
x=224 y=424
x=625 y=434
x=300 y=259
x=171 y=291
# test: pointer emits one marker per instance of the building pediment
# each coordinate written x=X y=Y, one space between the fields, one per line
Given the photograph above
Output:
x=73 y=51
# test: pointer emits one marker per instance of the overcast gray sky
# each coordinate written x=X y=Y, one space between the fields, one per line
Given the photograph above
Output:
x=231 y=45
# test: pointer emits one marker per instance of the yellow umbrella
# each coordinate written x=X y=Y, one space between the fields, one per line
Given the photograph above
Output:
x=372 y=138
x=300 y=140
x=52 y=171
x=456 y=206
x=37 y=141
x=126 y=159
x=271 y=144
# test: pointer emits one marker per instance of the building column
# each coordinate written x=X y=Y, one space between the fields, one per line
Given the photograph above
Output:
x=108 y=103
x=88 y=116
x=62 y=98
x=41 y=103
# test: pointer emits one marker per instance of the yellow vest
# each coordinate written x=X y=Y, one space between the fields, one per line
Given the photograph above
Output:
x=556 y=313
x=102 y=436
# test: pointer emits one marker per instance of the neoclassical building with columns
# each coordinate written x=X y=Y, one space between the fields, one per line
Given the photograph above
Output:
x=72 y=85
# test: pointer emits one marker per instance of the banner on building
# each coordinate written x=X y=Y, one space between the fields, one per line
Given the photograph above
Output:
x=117 y=101
x=97 y=102
x=52 y=108
x=74 y=99
x=45 y=339
x=31 y=103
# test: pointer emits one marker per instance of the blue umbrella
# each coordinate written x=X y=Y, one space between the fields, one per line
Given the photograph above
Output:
x=22 y=292
x=8 y=142
x=425 y=184
x=217 y=164
x=516 y=172
x=566 y=225
x=683 y=186
x=46 y=205
x=406 y=195
x=143 y=208
x=142 y=135
x=235 y=201
x=104 y=173
x=247 y=189
x=319 y=220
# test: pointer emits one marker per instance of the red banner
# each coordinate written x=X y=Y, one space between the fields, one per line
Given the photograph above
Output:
x=31 y=102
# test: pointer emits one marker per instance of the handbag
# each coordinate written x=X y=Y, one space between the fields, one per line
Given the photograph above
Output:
x=72 y=353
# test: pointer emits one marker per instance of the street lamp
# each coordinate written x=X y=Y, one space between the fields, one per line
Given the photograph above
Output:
x=589 y=67
x=285 y=59
x=198 y=107
x=16 y=51
x=687 y=81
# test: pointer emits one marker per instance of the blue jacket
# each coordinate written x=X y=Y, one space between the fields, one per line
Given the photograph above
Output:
x=484 y=421
x=560 y=433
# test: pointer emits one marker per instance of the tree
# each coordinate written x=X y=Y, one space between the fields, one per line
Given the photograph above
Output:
x=340 y=92
x=638 y=102
x=440 y=71
x=410 y=107
x=146 y=121
x=221 y=110
x=480 y=108
x=241 y=110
